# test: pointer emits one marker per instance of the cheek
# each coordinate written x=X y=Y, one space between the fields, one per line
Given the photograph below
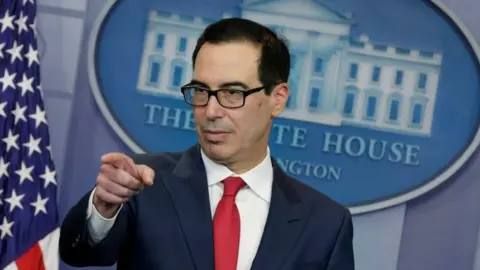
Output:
x=255 y=119
x=263 y=112
x=198 y=114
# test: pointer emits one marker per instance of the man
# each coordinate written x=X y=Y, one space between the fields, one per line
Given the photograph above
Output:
x=224 y=203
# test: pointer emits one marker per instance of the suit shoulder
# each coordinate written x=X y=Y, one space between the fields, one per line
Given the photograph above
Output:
x=321 y=202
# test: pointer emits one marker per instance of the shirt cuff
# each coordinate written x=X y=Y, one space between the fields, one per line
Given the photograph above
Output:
x=98 y=226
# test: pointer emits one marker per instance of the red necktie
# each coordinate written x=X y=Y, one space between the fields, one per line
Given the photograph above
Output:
x=226 y=226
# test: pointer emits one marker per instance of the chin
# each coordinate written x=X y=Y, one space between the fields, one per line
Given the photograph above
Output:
x=217 y=151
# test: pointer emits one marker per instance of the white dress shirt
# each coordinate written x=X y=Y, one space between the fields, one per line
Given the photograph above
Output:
x=252 y=201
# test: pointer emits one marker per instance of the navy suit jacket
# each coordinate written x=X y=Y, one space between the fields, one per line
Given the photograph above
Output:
x=168 y=226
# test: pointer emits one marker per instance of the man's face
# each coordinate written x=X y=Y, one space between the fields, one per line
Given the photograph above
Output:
x=229 y=135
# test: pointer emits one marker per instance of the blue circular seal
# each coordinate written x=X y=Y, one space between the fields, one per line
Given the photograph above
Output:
x=384 y=101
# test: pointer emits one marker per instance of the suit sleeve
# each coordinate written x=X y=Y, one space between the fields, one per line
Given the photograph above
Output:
x=76 y=247
x=342 y=257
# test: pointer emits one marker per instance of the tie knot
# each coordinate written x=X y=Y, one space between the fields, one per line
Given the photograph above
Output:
x=231 y=185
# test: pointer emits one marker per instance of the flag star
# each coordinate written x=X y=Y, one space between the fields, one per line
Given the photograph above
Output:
x=39 y=204
x=32 y=56
x=7 y=22
x=15 y=51
x=7 y=80
x=11 y=141
x=25 y=173
x=33 y=145
x=15 y=201
x=22 y=23
x=3 y=167
x=49 y=148
x=19 y=113
x=39 y=117
x=2 y=109
x=49 y=177
x=26 y=84
x=1 y=196
x=2 y=46
x=39 y=88
x=34 y=27
x=6 y=228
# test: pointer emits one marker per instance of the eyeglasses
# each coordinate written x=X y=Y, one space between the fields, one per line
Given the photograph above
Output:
x=229 y=98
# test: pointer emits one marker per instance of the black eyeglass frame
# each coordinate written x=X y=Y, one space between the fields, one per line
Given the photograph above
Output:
x=214 y=93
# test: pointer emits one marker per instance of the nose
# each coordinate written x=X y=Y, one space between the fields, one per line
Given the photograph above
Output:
x=213 y=109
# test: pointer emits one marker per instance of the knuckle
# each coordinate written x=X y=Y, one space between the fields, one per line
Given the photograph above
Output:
x=102 y=194
x=129 y=181
x=105 y=168
x=103 y=181
x=134 y=183
x=125 y=192
x=118 y=177
x=100 y=179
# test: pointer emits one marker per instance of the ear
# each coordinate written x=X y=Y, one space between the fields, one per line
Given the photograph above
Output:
x=278 y=98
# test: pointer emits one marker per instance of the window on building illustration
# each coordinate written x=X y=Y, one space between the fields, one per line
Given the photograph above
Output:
x=293 y=93
x=426 y=54
x=160 y=41
x=381 y=48
x=422 y=81
x=353 y=73
x=182 y=45
x=187 y=18
x=293 y=59
x=318 y=66
x=402 y=51
x=315 y=96
x=357 y=44
x=376 y=74
x=349 y=104
x=399 y=78
x=289 y=102
x=371 y=107
x=178 y=67
x=154 y=71
x=177 y=76
x=417 y=114
x=394 y=110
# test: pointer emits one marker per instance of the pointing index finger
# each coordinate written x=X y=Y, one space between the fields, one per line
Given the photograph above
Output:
x=121 y=161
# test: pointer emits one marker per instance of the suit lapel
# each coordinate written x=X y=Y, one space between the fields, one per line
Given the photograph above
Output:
x=188 y=187
x=285 y=222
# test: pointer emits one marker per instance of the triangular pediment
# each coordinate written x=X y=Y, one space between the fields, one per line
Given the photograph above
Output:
x=308 y=9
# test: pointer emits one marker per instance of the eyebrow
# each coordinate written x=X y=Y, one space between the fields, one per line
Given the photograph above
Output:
x=223 y=85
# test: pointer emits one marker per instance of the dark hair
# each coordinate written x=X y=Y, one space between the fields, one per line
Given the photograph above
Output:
x=274 y=66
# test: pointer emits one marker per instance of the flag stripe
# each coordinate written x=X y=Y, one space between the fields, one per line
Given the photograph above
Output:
x=11 y=266
x=49 y=246
x=31 y=260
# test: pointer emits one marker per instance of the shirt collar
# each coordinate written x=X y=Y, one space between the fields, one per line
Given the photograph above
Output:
x=259 y=178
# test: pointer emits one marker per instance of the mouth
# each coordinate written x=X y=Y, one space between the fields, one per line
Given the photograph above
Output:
x=215 y=136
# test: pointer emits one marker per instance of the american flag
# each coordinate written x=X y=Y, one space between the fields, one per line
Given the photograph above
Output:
x=29 y=225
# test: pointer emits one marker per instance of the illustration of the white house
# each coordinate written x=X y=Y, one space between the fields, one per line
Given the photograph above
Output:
x=334 y=80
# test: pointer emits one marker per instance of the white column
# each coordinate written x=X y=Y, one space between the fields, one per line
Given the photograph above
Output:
x=304 y=84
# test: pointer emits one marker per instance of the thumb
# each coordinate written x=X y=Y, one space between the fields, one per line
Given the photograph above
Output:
x=146 y=174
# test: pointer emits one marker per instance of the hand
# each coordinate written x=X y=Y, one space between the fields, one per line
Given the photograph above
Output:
x=118 y=180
